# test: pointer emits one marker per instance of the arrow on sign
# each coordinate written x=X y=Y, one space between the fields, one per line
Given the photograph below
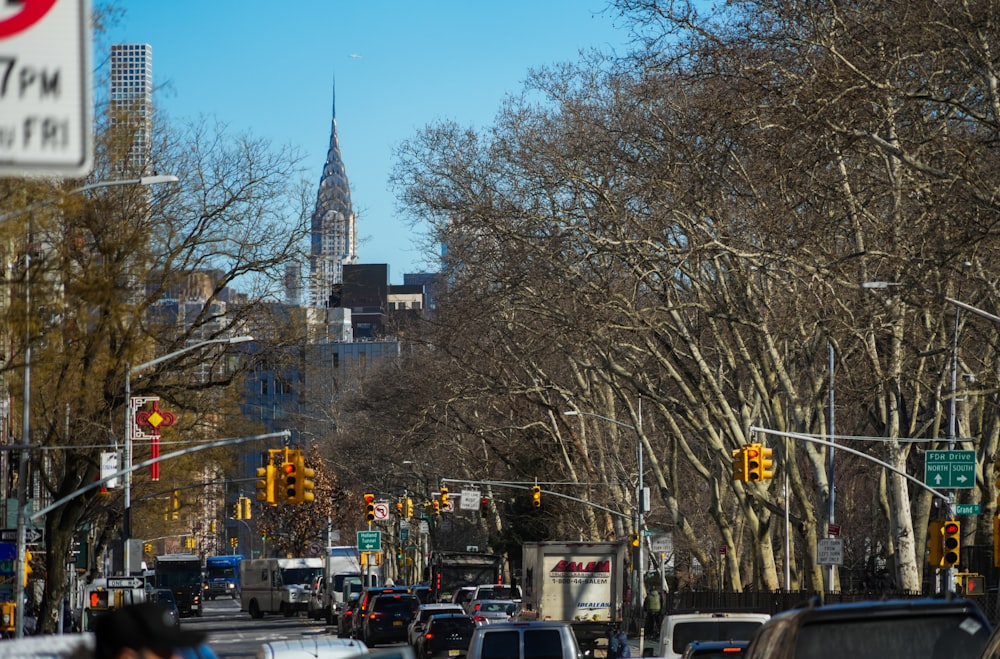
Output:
x=124 y=582
x=30 y=535
x=937 y=479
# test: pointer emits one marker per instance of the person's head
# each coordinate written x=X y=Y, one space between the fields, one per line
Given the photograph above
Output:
x=141 y=631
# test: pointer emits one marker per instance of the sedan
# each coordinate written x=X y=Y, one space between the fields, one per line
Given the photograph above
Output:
x=424 y=613
x=485 y=612
x=447 y=635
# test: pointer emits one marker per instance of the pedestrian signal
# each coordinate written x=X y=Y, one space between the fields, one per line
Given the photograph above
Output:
x=98 y=599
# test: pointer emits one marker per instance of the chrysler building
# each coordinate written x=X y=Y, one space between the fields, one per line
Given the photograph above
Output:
x=334 y=230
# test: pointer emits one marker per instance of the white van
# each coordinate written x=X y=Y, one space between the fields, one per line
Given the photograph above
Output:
x=679 y=629
x=312 y=648
x=278 y=585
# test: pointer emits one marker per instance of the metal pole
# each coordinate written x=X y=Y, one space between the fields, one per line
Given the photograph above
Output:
x=831 y=499
x=948 y=573
x=22 y=466
x=127 y=485
x=640 y=554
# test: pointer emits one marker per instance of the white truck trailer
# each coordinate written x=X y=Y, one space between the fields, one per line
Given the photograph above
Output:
x=581 y=583
x=278 y=585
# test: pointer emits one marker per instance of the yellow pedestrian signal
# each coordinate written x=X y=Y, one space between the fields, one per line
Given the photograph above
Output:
x=766 y=463
x=952 y=544
x=935 y=557
x=267 y=486
x=740 y=464
x=369 y=508
x=536 y=496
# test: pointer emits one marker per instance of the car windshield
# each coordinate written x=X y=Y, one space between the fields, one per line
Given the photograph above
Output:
x=913 y=637
x=716 y=629
x=300 y=575
x=497 y=607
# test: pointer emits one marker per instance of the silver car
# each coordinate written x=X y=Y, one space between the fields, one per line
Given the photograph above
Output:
x=486 y=612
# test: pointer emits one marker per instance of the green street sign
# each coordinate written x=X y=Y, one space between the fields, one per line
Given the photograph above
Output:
x=954 y=469
x=967 y=509
x=369 y=541
x=404 y=533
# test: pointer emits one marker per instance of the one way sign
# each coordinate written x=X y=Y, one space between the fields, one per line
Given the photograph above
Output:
x=30 y=535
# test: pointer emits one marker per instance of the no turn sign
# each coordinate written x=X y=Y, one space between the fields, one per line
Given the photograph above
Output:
x=46 y=120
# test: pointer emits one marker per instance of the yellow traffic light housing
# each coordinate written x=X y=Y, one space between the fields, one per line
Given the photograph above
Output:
x=27 y=565
x=766 y=463
x=266 y=488
x=437 y=508
x=444 y=496
x=247 y=514
x=951 y=545
x=306 y=485
x=399 y=507
x=408 y=513
x=935 y=557
x=238 y=509
x=289 y=482
x=753 y=453
x=484 y=507
x=536 y=496
x=740 y=464
x=369 y=508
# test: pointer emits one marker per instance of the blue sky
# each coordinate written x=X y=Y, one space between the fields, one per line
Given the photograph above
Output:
x=269 y=68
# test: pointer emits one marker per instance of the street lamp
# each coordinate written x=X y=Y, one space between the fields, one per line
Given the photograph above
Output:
x=127 y=488
x=640 y=493
x=22 y=467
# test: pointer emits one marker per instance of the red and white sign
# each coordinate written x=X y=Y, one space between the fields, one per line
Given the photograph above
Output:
x=833 y=530
x=46 y=115
x=381 y=510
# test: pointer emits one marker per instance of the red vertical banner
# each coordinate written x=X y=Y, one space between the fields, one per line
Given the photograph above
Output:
x=155 y=419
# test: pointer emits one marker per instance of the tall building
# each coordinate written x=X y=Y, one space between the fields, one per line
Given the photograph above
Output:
x=334 y=231
x=132 y=98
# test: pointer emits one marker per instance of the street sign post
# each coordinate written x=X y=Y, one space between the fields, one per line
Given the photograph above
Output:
x=46 y=120
x=954 y=469
x=369 y=541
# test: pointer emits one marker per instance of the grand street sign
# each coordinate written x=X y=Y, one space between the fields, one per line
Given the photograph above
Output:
x=954 y=469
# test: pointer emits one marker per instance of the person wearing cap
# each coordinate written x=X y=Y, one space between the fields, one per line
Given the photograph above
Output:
x=141 y=631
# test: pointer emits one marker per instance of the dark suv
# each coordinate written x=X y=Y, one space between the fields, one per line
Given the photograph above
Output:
x=388 y=617
x=930 y=628
x=446 y=635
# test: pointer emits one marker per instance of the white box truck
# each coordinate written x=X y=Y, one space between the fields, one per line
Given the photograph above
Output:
x=581 y=583
x=278 y=585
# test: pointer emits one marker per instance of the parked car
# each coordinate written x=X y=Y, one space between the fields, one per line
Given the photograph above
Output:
x=926 y=628
x=165 y=598
x=419 y=622
x=446 y=635
x=345 y=621
x=715 y=649
x=525 y=640
x=485 y=612
x=388 y=616
x=679 y=629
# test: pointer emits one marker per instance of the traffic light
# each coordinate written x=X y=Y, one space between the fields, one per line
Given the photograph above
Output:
x=369 y=508
x=484 y=507
x=238 y=509
x=437 y=508
x=740 y=464
x=952 y=543
x=290 y=482
x=304 y=491
x=147 y=547
x=536 y=496
x=266 y=487
x=175 y=505
x=409 y=508
x=444 y=497
x=766 y=463
x=27 y=565
x=753 y=452
x=399 y=507
x=246 y=508
x=935 y=557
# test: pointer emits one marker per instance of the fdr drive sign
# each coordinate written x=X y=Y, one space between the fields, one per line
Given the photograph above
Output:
x=46 y=124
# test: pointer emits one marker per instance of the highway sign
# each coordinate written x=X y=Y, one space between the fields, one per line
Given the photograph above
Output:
x=955 y=469
x=46 y=118
x=369 y=541
x=30 y=535
x=124 y=582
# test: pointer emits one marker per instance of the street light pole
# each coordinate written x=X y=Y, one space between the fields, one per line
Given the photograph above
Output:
x=640 y=496
x=22 y=468
x=127 y=486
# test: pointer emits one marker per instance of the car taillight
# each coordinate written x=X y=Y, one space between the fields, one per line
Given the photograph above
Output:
x=479 y=618
x=428 y=636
